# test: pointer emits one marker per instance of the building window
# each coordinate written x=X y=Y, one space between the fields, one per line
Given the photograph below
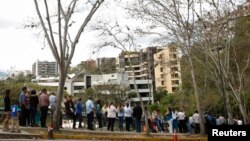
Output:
x=174 y=56
x=174 y=69
x=173 y=49
x=175 y=82
x=160 y=56
x=162 y=82
x=175 y=75
x=173 y=62
x=174 y=89
x=132 y=86
x=161 y=69
x=143 y=86
x=144 y=94
x=162 y=76
x=78 y=87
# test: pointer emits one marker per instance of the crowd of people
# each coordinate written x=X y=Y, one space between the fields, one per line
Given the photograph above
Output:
x=24 y=110
x=31 y=109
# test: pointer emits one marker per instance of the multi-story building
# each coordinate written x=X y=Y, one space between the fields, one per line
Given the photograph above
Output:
x=89 y=63
x=106 y=65
x=77 y=84
x=45 y=69
x=142 y=63
x=141 y=67
x=167 y=68
x=105 y=61
x=144 y=86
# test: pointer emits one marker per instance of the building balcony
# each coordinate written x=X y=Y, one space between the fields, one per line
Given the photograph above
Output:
x=128 y=65
x=78 y=91
x=143 y=99
x=143 y=90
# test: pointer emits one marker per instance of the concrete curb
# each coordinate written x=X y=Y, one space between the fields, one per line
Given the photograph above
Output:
x=42 y=133
x=125 y=137
x=19 y=136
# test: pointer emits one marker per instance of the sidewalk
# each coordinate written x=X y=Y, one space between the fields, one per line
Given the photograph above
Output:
x=98 y=134
x=15 y=135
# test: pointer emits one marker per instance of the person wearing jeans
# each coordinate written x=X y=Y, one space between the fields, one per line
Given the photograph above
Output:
x=99 y=112
x=128 y=116
x=111 y=116
x=137 y=114
x=79 y=112
x=120 y=110
x=44 y=104
x=90 y=113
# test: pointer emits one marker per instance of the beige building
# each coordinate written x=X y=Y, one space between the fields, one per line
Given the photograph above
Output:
x=167 y=68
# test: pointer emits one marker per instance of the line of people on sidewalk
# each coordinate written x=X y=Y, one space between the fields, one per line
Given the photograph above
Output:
x=24 y=110
x=105 y=114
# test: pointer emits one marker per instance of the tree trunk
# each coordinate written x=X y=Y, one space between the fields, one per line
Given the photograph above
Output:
x=139 y=96
x=243 y=111
x=57 y=114
x=197 y=96
x=229 y=110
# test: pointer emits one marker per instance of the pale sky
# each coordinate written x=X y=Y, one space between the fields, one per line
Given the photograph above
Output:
x=20 y=48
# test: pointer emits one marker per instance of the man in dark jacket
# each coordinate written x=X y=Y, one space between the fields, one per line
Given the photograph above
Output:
x=33 y=107
x=6 y=110
x=137 y=114
x=70 y=110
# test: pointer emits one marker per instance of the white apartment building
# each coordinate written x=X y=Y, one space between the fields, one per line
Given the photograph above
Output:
x=45 y=69
x=78 y=84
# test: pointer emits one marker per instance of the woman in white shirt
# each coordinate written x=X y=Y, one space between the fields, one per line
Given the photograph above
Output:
x=128 y=116
x=111 y=116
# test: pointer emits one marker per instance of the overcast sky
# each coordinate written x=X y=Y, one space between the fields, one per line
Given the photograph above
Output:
x=20 y=48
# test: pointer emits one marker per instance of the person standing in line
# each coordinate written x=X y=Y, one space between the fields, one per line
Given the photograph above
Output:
x=15 y=111
x=128 y=116
x=44 y=104
x=99 y=112
x=169 y=118
x=28 y=112
x=175 y=121
x=6 y=110
x=196 y=118
x=24 y=107
x=33 y=107
x=70 y=110
x=105 y=113
x=182 y=122
x=111 y=116
x=137 y=114
x=79 y=112
x=90 y=113
x=120 y=110
x=52 y=105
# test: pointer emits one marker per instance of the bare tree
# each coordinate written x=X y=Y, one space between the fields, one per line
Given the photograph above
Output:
x=216 y=39
x=56 y=21
x=177 y=19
